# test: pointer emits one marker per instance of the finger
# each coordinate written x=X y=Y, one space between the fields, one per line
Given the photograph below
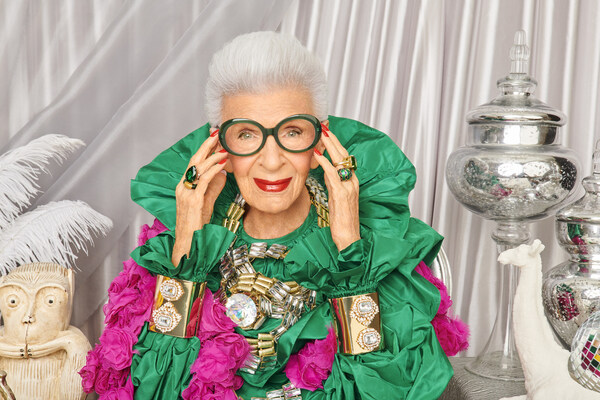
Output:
x=207 y=147
x=213 y=159
x=330 y=171
x=203 y=166
x=337 y=152
x=206 y=178
x=215 y=186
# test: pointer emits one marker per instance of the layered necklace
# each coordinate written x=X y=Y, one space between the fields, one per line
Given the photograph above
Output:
x=251 y=297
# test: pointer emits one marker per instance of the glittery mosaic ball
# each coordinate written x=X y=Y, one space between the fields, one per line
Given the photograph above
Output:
x=584 y=362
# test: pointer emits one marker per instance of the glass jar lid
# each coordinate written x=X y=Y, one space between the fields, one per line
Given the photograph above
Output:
x=515 y=117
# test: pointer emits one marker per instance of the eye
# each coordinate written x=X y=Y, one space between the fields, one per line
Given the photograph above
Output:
x=12 y=301
x=50 y=300
x=245 y=135
x=292 y=132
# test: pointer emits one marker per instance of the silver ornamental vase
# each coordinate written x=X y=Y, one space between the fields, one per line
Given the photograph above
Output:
x=512 y=171
x=571 y=290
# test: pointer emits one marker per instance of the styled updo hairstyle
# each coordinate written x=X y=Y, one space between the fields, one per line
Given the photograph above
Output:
x=258 y=61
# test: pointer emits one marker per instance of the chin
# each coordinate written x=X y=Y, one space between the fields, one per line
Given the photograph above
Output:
x=271 y=203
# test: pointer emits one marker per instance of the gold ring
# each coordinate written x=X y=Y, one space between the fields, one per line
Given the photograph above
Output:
x=189 y=185
x=347 y=162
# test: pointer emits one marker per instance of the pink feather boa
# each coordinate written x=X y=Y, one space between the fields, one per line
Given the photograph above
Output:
x=131 y=295
x=452 y=333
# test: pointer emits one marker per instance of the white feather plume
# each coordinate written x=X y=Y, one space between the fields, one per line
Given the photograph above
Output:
x=54 y=232
x=20 y=168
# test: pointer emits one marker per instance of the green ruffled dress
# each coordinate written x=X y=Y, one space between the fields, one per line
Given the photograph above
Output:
x=412 y=365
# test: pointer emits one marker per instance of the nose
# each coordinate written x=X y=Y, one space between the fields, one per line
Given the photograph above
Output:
x=271 y=157
x=29 y=317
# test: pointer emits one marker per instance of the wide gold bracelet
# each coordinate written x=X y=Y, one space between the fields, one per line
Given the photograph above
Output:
x=177 y=306
x=358 y=326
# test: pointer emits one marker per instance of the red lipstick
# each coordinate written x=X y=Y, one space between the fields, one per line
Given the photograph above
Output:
x=272 y=186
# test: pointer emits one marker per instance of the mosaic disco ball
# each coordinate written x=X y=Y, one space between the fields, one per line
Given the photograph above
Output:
x=584 y=362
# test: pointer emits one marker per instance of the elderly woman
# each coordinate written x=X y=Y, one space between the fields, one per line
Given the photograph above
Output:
x=285 y=268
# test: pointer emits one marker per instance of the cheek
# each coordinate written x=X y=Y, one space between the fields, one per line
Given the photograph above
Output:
x=303 y=162
x=239 y=166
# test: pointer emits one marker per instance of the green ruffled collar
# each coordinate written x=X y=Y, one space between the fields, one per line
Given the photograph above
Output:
x=379 y=160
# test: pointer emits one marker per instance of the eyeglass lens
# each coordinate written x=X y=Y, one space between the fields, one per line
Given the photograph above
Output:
x=245 y=138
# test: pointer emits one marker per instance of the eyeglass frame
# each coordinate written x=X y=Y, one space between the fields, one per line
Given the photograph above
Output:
x=270 y=132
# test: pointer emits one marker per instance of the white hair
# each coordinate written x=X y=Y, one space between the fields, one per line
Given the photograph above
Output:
x=259 y=61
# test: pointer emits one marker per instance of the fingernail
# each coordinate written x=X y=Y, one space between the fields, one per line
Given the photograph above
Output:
x=223 y=161
x=318 y=152
x=223 y=172
x=215 y=133
x=324 y=130
x=222 y=151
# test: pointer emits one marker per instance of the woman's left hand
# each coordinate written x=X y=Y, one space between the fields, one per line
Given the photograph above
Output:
x=343 y=195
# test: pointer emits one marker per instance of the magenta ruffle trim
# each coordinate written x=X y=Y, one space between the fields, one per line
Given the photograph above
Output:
x=452 y=332
x=308 y=368
x=222 y=353
x=130 y=299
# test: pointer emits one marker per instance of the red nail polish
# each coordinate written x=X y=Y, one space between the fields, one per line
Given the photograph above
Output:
x=318 y=152
x=223 y=161
x=222 y=151
x=324 y=130
x=215 y=133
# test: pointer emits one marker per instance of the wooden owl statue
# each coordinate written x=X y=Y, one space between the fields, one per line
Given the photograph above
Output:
x=39 y=351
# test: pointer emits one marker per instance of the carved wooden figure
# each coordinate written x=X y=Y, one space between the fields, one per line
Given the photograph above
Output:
x=39 y=351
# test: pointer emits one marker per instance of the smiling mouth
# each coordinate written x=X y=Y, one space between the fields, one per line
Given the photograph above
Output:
x=272 y=186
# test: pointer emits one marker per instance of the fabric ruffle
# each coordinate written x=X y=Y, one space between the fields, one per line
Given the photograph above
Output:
x=222 y=353
x=208 y=245
x=317 y=264
x=312 y=364
x=130 y=299
x=452 y=332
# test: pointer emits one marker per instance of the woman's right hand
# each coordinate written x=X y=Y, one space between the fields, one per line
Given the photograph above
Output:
x=195 y=206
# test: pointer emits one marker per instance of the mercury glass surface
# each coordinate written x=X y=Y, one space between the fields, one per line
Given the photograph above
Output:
x=584 y=361
x=512 y=170
x=571 y=290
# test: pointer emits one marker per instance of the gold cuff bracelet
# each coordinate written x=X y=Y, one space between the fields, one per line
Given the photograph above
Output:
x=358 y=326
x=177 y=307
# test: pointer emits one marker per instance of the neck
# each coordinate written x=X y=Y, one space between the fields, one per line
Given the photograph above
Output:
x=263 y=225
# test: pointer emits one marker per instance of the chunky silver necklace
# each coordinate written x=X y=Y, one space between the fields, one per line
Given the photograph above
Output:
x=255 y=297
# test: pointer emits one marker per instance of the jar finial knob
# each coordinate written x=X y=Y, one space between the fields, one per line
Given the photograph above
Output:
x=519 y=54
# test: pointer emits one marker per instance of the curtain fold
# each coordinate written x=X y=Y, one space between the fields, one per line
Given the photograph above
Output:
x=127 y=77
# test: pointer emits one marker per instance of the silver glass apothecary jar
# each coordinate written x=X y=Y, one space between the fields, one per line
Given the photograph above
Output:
x=512 y=167
x=512 y=171
x=571 y=290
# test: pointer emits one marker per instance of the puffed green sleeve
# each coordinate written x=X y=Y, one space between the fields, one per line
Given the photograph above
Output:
x=208 y=246
x=412 y=364
x=160 y=367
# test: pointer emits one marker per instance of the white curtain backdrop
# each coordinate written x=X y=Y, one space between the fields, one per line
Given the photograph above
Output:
x=127 y=77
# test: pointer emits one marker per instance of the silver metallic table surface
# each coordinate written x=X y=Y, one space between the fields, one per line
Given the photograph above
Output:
x=467 y=386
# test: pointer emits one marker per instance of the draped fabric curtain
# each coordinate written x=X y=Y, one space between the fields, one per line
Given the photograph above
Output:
x=127 y=77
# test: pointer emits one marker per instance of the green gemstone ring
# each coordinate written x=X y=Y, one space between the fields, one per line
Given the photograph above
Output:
x=344 y=174
x=191 y=174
